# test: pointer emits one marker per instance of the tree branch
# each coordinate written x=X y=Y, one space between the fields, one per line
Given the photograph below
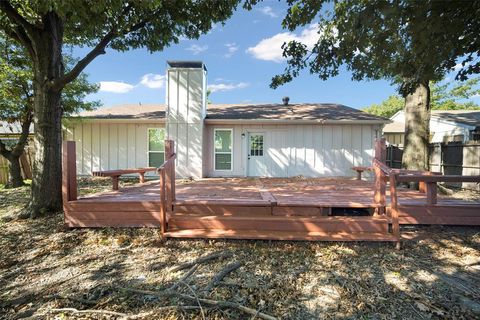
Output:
x=22 y=141
x=3 y=150
x=17 y=19
x=99 y=49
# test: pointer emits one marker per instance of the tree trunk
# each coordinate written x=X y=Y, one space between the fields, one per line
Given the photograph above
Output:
x=417 y=128
x=47 y=169
x=15 y=171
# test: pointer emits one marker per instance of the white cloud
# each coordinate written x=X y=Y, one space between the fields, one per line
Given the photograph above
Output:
x=270 y=49
x=115 y=86
x=227 y=86
x=153 y=81
x=268 y=11
x=231 y=49
x=196 y=49
x=459 y=66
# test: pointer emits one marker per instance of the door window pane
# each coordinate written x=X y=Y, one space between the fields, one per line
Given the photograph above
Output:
x=256 y=145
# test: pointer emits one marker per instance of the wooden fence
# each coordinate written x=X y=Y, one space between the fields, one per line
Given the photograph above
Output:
x=451 y=158
x=26 y=161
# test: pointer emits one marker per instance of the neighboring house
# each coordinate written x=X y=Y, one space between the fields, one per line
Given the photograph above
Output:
x=445 y=126
x=235 y=140
x=12 y=131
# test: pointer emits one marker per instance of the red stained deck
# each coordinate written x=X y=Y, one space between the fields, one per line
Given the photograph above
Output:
x=270 y=208
x=296 y=208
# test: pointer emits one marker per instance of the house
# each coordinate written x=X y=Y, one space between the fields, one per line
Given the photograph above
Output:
x=445 y=126
x=234 y=140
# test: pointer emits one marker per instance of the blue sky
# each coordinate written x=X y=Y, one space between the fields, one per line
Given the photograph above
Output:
x=241 y=57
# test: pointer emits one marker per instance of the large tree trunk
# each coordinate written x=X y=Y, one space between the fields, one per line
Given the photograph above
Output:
x=47 y=169
x=417 y=128
x=15 y=171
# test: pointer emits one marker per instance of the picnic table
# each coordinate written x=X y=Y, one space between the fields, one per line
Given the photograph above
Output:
x=360 y=169
x=115 y=174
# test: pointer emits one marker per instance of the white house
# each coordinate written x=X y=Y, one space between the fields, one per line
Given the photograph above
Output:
x=235 y=140
x=445 y=126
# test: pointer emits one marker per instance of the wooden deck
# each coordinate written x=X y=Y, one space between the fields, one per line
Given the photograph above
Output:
x=333 y=209
x=292 y=207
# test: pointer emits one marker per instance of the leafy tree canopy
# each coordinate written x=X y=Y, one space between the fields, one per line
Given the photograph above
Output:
x=117 y=24
x=16 y=88
x=407 y=41
x=444 y=96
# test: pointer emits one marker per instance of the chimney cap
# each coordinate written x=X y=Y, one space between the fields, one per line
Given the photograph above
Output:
x=285 y=100
x=186 y=64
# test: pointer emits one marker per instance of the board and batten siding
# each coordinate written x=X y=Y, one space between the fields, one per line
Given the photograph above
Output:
x=293 y=150
x=109 y=146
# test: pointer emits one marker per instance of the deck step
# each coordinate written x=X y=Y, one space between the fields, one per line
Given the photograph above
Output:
x=280 y=223
x=280 y=235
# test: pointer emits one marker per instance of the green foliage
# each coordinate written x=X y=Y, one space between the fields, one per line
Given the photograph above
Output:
x=387 y=108
x=404 y=41
x=153 y=24
x=16 y=89
x=452 y=95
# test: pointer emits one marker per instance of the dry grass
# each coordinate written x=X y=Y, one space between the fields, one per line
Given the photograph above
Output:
x=45 y=267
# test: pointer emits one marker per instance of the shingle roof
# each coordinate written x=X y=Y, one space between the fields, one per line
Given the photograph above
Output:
x=467 y=117
x=394 y=127
x=127 y=111
x=301 y=111
x=304 y=111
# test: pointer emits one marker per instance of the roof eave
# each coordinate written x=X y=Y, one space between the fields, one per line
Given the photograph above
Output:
x=294 y=121
x=116 y=120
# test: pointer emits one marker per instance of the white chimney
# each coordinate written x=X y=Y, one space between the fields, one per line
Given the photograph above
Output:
x=186 y=103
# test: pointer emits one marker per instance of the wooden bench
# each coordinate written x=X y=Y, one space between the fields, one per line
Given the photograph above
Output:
x=360 y=170
x=115 y=174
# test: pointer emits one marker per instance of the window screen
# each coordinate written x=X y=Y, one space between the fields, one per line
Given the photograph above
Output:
x=223 y=149
x=156 y=147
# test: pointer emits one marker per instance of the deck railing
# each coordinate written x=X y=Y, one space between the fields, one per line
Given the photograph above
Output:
x=427 y=184
x=167 y=185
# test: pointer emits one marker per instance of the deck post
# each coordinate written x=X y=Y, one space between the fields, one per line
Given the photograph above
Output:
x=381 y=150
x=379 y=196
x=394 y=208
x=431 y=191
x=163 y=205
x=380 y=183
x=169 y=152
x=69 y=172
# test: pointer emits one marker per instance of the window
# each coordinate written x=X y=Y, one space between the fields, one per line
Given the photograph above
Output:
x=156 y=147
x=256 y=145
x=223 y=149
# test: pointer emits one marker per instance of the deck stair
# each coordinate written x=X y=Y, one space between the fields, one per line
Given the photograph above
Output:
x=259 y=219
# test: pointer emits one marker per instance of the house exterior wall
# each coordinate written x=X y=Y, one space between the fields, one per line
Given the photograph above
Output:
x=292 y=150
x=440 y=130
x=394 y=138
x=109 y=146
x=186 y=103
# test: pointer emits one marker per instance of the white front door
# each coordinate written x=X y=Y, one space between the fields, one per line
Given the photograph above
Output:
x=256 y=155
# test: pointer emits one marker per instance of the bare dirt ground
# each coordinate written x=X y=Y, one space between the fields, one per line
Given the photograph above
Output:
x=50 y=272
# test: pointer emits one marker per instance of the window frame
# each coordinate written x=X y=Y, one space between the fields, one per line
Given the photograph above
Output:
x=222 y=152
x=148 y=144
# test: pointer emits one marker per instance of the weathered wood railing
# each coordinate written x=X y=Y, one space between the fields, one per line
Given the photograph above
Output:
x=167 y=185
x=427 y=184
